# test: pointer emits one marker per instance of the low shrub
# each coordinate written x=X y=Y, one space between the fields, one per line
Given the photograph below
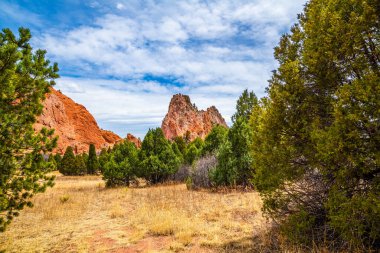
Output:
x=200 y=173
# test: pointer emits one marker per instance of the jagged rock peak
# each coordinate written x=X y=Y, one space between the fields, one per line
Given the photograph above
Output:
x=74 y=125
x=183 y=116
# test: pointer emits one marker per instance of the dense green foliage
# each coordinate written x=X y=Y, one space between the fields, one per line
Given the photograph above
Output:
x=316 y=137
x=121 y=167
x=234 y=158
x=73 y=165
x=214 y=139
x=80 y=165
x=68 y=163
x=25 y=78
x=103 y=159
x=193 y=150
x=58 y=160
x=92 y=161
x=181 y=144
x=225 y=172
x=157 y=159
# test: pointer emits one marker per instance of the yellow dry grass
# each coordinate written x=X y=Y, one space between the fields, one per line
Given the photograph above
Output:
x=80 y=215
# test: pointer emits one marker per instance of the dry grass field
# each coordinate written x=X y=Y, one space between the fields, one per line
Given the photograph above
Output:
x=80 y=215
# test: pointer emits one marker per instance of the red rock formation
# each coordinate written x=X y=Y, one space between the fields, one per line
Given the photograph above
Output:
x=109 y=136
x=74 y=125
x=184 y=116
x=133 y=139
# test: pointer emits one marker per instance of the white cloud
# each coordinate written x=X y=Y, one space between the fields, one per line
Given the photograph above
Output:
x=215 y=49
x=120 y=6
x=16 y=12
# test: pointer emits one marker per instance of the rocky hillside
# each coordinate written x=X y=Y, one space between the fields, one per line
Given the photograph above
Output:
x=74 y=125
x=133 y=139
x=184 y=117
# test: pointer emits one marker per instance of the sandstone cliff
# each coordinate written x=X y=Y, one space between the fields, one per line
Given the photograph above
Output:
x=133 y=139
x=74 y=125
x=184 y=117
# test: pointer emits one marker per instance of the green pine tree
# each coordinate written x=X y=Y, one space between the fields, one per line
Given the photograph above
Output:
x=121 y=168
x=234 y=157
x=214 y=139
x=157 y=159
x=25 y=78
x=68 y=163
x=244 y=105
x=80 y=167
x=92 y=163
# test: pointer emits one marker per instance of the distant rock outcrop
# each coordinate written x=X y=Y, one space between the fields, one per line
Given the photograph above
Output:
x=133 y=139
x=184 y=118
x=74 y=125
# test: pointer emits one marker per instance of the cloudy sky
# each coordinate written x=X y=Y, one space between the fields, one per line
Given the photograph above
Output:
x=124 y=59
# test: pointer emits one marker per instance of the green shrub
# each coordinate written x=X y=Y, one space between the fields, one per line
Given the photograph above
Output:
x=121 y=168
x=158 y=161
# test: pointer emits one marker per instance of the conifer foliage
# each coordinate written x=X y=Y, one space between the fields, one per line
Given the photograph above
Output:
x=69 y=163
x=234 y=166
x=25 y=78
x=122 y=165
x=92 y=161
x=157 y=159
x=316 y=137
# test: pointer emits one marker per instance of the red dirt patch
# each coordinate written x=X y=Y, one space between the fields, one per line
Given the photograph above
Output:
x=147 y=244
x=100 y=241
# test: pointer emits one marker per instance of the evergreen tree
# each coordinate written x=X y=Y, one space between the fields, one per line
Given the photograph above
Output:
x=25 y=78
x=157 y=158
x=225 y=172
x=315 y=138
x=244 y=105
x=80 y=168
x=234 y=158
x=85 y=159
x=122 y=166
x=215 y=139
x=68 y=163
x=92 y=163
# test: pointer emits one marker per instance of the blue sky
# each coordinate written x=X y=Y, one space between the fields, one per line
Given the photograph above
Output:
x=123 y=60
